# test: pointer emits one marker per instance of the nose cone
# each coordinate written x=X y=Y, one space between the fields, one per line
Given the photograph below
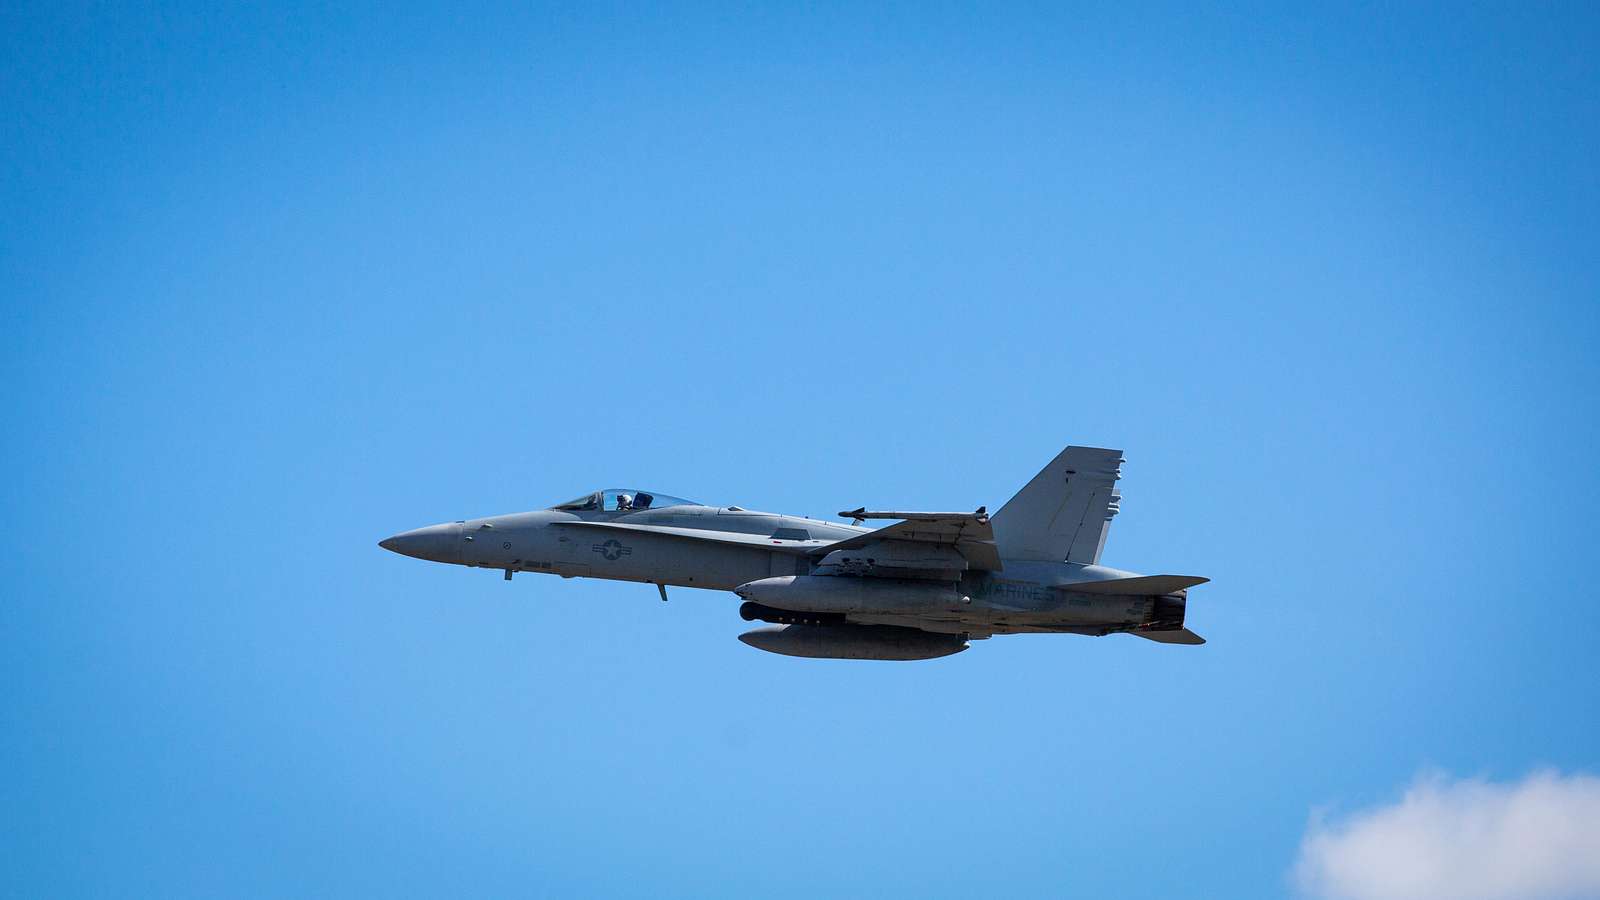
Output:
x=436 y=543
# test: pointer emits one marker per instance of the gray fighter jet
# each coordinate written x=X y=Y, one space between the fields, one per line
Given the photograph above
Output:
x=917 y=589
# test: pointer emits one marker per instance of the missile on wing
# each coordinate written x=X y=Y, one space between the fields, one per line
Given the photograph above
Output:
x=830 y=594
x=853 y=642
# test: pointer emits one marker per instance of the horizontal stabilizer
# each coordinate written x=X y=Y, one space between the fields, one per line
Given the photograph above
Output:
x=1181 y=636
x=1140 y=585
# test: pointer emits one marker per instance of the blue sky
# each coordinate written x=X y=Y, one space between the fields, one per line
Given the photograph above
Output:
x=277 y=283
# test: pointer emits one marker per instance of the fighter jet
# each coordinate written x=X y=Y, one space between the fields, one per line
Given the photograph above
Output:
x=920 y=588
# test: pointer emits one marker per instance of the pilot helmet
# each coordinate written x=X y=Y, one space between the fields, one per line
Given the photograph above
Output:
x=624 y=501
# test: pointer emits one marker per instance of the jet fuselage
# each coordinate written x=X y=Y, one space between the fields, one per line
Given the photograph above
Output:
x=1024 y=596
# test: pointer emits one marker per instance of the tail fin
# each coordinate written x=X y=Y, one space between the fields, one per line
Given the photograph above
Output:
x=1065 y=511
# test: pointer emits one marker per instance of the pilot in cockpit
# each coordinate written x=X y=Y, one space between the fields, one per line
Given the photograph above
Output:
x=633 y=502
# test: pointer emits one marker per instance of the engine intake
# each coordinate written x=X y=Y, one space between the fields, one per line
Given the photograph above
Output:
x=752 y=612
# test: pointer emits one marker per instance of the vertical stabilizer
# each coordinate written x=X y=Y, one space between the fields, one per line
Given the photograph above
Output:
x=1065 y=512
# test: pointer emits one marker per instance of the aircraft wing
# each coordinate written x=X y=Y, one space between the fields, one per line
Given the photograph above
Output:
x=967 y=534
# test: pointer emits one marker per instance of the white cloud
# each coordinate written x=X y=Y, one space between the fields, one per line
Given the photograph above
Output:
x=1469 y=840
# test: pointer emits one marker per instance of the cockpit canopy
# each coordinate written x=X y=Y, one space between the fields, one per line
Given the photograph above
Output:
x=622 y=500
